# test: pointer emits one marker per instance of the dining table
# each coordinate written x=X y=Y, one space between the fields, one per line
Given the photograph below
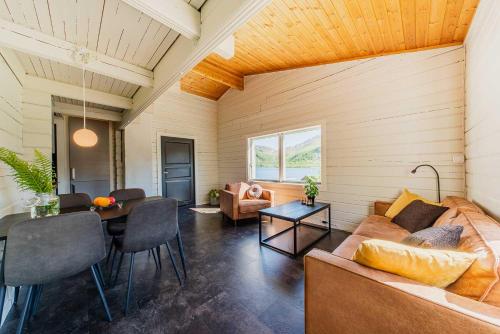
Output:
x=113 y=212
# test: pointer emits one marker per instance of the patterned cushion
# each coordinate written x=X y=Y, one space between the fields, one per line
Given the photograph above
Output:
x=442 y=237
x=254 y=192
x=418 y=215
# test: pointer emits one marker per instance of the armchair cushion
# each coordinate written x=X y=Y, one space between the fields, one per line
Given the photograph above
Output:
x=253 y=205
x=239 y=188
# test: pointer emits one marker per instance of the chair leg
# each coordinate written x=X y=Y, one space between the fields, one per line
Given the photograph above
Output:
x=158 y=254
x=173 y=263
x=99 y=274
x=130 y=275
x=98 y=282
x=112 y=265
x=118 y=269
x=110 y=250
x=27 y=304
x=36 y=300
x=154 y=258
x=3 y=290
x=16 y=295
x=181 y=252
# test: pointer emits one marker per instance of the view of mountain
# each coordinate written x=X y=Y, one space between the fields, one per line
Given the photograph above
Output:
x=305 y=154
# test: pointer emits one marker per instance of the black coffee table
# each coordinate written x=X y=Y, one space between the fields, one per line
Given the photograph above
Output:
x=300 y=235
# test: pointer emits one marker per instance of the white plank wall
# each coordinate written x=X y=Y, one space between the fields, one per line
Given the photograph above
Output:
x=177 y=114
x=11 y=124
x=380 y=118
x=482 y=116
x=174 y=114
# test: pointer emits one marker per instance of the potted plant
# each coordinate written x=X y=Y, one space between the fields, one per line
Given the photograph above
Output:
x=36 y=176
x=213 y=195
x=311 y=189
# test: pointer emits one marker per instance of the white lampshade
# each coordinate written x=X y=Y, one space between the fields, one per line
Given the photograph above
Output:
x=85 y=137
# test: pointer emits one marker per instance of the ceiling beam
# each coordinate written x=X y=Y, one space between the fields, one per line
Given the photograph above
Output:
x=218 y=74
x=175 y=14
x=35 y=43
x=220 y=19
x=90 y=112
x=57 y=88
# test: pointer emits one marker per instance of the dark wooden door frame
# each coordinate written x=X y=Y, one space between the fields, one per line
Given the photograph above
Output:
x=164 y=137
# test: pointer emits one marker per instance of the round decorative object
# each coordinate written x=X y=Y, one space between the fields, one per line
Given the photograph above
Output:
x=102 y=202
x=85 y=137
x=254 y=192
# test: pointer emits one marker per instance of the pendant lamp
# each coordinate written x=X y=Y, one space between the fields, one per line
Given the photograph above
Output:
x=84 y=137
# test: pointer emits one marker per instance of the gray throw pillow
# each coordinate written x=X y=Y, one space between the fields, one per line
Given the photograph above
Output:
x=418 y=215
x=440 y=237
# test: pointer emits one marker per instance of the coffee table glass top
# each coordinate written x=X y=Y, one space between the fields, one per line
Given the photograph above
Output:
x=293 y=211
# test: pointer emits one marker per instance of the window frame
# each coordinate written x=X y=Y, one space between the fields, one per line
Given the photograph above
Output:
x=281 y=155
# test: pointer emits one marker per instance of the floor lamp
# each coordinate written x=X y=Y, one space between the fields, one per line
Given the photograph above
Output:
x=437 y=176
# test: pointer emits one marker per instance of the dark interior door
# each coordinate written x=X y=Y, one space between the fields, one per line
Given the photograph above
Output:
x=89 y=166
x=177 y=156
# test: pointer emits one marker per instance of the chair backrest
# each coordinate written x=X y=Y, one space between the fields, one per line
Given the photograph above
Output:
x=150 y=224
x=128 y=194
x=46 y=249
x=74 y=200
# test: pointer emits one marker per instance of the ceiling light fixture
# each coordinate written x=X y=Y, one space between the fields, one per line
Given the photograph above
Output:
x=84 y=137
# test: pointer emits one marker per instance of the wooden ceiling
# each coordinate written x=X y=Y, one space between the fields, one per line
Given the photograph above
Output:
x=298 y=33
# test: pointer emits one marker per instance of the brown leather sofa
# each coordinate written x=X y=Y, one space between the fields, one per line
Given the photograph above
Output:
x=342 y=296
x=235 y=204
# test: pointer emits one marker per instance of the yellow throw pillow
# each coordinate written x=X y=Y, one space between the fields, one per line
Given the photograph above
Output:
x=403 y=200
x=430 y=266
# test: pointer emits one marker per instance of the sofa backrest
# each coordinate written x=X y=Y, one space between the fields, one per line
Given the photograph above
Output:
x=481 y=236
x=239 y=188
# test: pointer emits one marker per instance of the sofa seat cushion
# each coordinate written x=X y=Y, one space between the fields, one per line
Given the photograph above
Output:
x=349 y=246
x=253 y=205
x=380 y=227
x=481 y=236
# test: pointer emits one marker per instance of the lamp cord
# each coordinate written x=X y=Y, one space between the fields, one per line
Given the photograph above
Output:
x=83 y=79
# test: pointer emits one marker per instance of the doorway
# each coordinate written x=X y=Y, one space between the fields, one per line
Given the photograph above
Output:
x=177 y=163
x=89 y=166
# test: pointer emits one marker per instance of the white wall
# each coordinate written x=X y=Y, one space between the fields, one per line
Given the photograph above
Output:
x=11 y=134
x=482 y=117
x=381 y=117
x=174 y=114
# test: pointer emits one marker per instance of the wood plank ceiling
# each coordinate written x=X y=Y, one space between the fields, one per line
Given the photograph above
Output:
x=297 y=33
x=110 y=27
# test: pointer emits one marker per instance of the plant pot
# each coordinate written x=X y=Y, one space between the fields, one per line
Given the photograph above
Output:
x=214 y=201
x=310 y=200
x=44 y=205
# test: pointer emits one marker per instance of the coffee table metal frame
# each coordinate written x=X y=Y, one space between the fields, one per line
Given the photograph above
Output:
x=297 y=221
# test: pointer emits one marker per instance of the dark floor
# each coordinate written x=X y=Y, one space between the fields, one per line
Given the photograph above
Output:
x=233 y=286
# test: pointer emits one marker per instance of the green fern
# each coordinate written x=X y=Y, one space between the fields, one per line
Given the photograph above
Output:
x=36 y=176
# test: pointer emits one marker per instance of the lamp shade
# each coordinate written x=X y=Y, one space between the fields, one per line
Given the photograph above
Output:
x=85 y=137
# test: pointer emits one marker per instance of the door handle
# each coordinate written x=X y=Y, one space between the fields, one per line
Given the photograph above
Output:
x=73 y=174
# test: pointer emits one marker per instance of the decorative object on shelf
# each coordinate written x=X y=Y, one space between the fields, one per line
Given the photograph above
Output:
x=437 y=177
x=213 y=195
x=311 y=189
x=104 y=202
x=84 y=137
x=36 y=176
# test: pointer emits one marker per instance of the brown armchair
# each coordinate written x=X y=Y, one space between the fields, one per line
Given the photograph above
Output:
x=235 y=204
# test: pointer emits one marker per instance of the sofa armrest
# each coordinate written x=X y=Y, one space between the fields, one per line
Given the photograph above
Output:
x=381 y=207
x=229 y=202
x=342 y=296
x=268 y=195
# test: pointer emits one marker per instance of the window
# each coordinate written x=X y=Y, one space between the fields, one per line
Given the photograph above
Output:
x=286 y=156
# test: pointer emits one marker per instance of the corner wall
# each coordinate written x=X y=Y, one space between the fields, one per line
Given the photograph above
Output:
x=173 y=114
x=381 y=117
x=482 y=112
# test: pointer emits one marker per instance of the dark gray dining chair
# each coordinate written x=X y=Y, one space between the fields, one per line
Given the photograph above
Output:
x=149 y=225
x=116 y=227
x=76 y=200
x=43 y=250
